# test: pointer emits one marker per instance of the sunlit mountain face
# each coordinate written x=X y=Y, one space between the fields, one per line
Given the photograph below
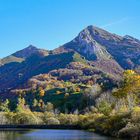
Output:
x=94 y=48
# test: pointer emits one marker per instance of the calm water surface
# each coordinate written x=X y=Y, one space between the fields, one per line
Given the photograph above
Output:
x=51 y=135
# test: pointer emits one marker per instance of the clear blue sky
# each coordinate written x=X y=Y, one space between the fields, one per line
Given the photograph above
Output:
x=51 y=23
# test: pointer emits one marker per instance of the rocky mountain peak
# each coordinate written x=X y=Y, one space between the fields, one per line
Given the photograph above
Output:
x=88 y=46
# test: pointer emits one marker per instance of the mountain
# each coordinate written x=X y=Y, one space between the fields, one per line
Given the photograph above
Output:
x=21 y=55
x=30 y=50
x=97 y=44
x=94 y=52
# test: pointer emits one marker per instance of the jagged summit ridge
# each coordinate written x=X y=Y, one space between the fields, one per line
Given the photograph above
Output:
x=89 y=46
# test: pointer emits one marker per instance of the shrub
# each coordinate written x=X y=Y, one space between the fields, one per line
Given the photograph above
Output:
x=39 y=116
x=135 y=114
x=130 y=130
x=68 y=119
x=49 y=114
x=3 y=118
x=104 y=107
x=25 y=118
x=87 y=121
x=52 y=121
x=10 y=117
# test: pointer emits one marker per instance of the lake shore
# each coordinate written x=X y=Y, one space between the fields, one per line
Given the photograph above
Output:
x=63 y=127
x=70 y=127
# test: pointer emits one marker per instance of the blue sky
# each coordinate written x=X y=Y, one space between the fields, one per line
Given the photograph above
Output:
x=51 y=23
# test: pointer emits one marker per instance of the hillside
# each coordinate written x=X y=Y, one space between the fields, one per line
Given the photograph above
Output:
x=94 y=47
x=21 y=55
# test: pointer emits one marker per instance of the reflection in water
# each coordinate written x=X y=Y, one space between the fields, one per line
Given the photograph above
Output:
x=50 y=135
x=12 y=134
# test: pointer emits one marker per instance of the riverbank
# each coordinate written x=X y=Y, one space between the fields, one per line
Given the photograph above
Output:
x=69 y=127
x=123 y=124
x=134 y=136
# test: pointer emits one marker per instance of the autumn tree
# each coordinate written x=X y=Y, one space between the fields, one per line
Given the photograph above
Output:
x=130 y=84
x=129 y=89
x=41 y=92
x=21 y=106
x=58 y=92
x=78 y=89
x=41 y=104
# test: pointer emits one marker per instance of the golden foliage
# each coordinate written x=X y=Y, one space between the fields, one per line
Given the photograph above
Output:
x=41 y=92
x=130 y=85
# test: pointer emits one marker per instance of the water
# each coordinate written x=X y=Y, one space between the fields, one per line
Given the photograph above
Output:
x=51 y=135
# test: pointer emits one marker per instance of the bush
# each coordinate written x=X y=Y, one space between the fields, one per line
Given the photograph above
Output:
x=104 y=107
x=98 y=122
x=10 y=117
x=3 y=118
x=87 y=121
x=130 y=130
x=52 y=121
x=25 y=118
x=68 y=119
x=135 y=114
x=39 y=116
x=49 y=115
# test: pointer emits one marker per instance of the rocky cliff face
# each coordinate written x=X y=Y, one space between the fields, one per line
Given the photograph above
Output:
x=89 y=47
x=125 y=50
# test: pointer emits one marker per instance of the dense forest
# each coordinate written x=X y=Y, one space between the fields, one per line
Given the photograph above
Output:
x=48 y=100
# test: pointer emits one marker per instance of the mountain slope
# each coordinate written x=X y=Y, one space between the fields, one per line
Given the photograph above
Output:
x=21 y=55
x=125 y=50
x=97 y=44
x=97 y=54
x=93 y=47
x=15 y=75
x=30 y=50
